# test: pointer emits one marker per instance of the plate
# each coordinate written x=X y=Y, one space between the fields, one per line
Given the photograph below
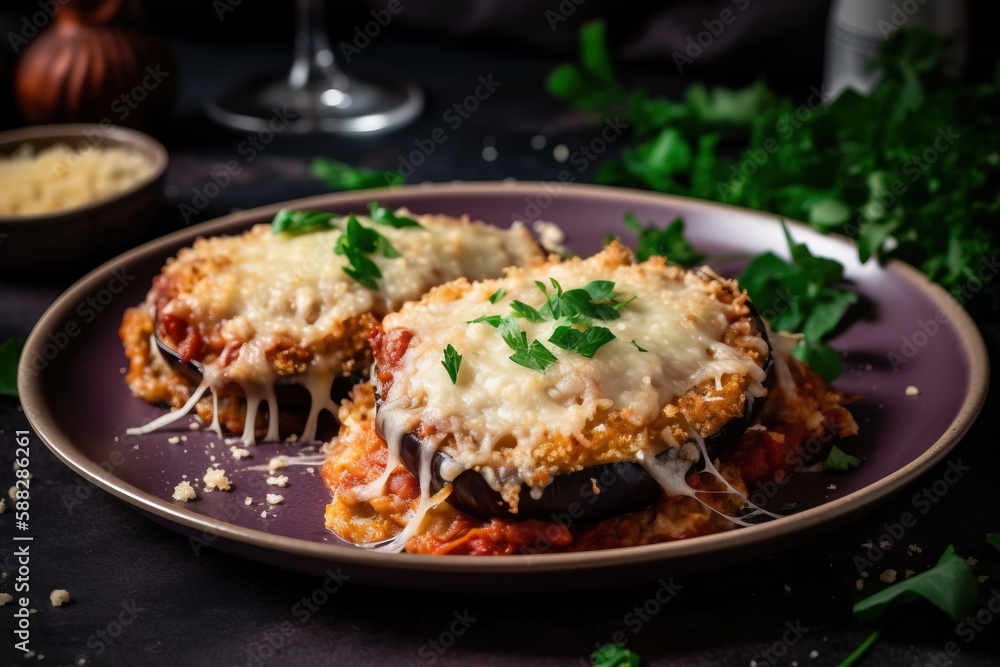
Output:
x=909 y=333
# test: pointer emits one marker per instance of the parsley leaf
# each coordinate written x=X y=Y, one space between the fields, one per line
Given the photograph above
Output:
x=667 y=242
x=534 y=356
x=840 y=461
x=355 y=243
x=492 y=320
x=342 y=176
x=801 y=296
x=638 y=347
x=949 y=585
x=614 y=655
x=10 y=355
x=452 y=362
x=496 y=296
x=993 y=539
x=586 y=342
x=291 y=221
x=524 y=310
x=384 y=216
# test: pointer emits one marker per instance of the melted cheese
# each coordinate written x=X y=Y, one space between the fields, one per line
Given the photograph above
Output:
x=501 y=416
x=268 y=291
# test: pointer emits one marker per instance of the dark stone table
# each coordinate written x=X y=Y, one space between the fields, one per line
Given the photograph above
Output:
x=142 y=597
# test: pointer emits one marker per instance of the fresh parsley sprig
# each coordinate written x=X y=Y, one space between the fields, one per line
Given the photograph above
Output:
x=909 y=170
x=452 y=362
x=668 y=242
x=803 y=295
x=342 y=176
x=356 y=243
x=614 y=655
x=570 y=309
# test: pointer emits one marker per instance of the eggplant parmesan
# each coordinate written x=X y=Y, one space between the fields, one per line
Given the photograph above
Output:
x=573 y=405
x=268 y=317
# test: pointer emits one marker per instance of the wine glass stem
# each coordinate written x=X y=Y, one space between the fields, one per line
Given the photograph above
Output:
x=314 y=60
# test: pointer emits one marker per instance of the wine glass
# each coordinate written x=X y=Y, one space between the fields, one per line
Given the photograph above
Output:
x=320 y=96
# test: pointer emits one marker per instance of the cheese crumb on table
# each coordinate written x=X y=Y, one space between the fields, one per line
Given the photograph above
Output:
x=275 y=499
x=913 y=549
x=215 y=478
x=3 y=505
x=239 y=453
x=859 y=584
x=5 y=598
x=279 y=480
x=59 y=597
x=248 y=501
x=912 y=391
x=888 y=576
x=185 y=492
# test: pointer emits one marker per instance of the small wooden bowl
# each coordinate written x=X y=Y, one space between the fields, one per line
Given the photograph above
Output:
x=45 y=240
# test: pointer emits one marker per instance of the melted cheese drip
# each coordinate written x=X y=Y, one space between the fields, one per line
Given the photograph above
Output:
x=275 y=288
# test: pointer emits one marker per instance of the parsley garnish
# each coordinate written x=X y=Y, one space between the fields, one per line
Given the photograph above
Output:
x=801 y=296
x=570 y=309
x=10 y=354
x=452 y=362
x=787 y=507
x=534 y=355
x=585 y=342
x=840 y=461
x=993 y=539
x=355 y=243
x=638 y=347
x=290 y=221
x=909 y=170
x=384 y=216
x=614 y=655
x=667 y=242
x=524 y=310
x=341 y=176
x=949 y=585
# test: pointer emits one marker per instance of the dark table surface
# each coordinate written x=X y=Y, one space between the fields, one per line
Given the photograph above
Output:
x=141 y=596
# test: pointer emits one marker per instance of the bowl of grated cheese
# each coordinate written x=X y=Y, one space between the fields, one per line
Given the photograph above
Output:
x=70 y=193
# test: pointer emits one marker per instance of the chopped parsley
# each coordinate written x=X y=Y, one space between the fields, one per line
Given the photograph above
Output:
x=342 y=176
x=355 y=244
x=290 y=221
x=839 y=461
x=534 y=355
x=586 y=342
x=384 y=216
x=667 y=242
x=573 y=312
x=614 y=655
x=452 y=362
x=10 y=354
x=638 y=347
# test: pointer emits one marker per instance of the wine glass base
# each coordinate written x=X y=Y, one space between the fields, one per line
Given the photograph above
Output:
x=355 y=104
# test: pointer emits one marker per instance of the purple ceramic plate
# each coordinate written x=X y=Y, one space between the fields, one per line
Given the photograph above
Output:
x=73 y=392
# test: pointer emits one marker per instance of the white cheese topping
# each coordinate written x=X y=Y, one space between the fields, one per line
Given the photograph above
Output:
x=499 y=412
x=267 y=292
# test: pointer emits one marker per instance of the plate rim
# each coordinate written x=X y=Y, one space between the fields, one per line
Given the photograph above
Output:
x=60 y=443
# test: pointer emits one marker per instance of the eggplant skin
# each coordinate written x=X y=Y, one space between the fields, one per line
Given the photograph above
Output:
x=585 y=496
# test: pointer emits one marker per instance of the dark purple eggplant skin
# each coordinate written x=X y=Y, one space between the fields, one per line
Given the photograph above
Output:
x=624 y=487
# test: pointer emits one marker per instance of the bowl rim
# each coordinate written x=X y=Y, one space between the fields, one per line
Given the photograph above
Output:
x=142 y=142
